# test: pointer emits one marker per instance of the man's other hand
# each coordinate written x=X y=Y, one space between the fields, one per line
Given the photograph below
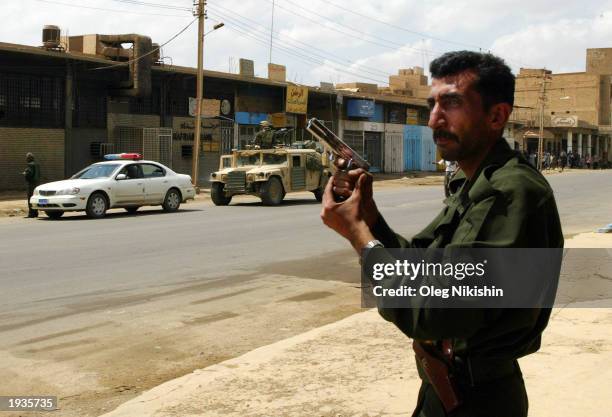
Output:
x=348 y=218
x=344 y=183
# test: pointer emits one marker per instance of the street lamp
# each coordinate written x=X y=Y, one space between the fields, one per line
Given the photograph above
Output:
x=200 y=91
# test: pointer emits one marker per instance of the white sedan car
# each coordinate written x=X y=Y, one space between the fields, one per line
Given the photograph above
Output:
x=124 y=181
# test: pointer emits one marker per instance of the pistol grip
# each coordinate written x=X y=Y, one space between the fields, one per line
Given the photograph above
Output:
x=342 y=175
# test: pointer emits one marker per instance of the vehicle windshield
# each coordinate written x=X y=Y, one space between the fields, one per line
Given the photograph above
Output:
x=274 y=159
x=97 y=171
x=248 y=159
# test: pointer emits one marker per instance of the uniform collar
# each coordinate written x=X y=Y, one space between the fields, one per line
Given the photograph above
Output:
x=480 y=187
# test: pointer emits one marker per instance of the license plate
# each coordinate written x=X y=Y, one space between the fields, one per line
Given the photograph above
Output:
x=43 y=201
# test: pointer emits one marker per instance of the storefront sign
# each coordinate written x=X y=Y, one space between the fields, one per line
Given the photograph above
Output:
x=412 y=117
x=297 y=99
x=564 y=121
x=210 y=107
x=279 y=119
x=360 y=108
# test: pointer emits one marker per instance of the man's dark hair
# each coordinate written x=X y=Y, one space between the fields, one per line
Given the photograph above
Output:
x=494 y=83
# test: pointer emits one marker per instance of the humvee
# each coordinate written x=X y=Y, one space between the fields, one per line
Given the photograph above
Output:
x=269 y=174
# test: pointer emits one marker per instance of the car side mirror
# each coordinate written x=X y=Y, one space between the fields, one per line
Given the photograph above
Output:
x=121 y=177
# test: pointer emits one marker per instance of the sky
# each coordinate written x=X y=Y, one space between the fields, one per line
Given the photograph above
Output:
x=334 y=40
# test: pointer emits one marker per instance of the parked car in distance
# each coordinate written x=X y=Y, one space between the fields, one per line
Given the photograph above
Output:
x=123 y=180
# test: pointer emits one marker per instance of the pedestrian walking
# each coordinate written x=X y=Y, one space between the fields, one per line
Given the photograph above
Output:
x=450 y=167
x=563 y=160
x=32 y=177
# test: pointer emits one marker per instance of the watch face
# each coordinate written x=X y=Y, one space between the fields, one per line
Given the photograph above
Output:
x=226 y=107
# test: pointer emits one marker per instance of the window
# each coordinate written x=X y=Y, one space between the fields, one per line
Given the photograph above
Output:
x=132 y=171
x=96 y=171
x=246 y=159
x=152 y=171
x=274 y=159
x=186 y=151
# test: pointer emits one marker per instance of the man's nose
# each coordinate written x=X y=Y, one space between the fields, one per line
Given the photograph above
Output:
x=436 y=118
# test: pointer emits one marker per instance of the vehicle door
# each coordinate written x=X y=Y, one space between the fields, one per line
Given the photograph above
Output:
x=314 y=168
x=156 y=183
x=131 y=189
x=298 y=173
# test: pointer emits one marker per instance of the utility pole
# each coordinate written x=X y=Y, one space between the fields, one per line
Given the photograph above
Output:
x=542 y=104
x=271 y=31
x=200 y=12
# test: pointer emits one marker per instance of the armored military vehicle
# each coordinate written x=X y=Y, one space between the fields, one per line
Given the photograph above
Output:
x=269 y=174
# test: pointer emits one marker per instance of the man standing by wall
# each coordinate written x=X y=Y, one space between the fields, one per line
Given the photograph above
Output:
x=498 y=200
x=32 y=177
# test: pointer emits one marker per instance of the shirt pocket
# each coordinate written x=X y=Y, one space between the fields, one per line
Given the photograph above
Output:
x=471 y=224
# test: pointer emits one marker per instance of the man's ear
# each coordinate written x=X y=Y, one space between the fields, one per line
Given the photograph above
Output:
x=499 y=115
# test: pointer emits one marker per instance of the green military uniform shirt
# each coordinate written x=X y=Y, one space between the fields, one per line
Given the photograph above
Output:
x=32 y=174
x=507 y=204
x=264 y=138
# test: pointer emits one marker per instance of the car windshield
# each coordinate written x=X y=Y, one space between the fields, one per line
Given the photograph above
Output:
x=246 y=159
x=274 y=159
x=97 y=171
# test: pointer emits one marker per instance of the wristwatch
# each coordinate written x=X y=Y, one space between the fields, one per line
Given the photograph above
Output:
x=373 y=244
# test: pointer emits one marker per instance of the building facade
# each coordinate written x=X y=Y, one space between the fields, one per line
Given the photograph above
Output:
x=73 y=103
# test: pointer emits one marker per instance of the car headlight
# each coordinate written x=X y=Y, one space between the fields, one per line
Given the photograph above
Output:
x=250 y=178
x=35 y=191
x=68 y=191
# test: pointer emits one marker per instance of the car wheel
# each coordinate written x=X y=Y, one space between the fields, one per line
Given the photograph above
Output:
x=217 y=194
x=132 y=210
x=272 y=192
x=172 y=201
x=96 y=206
x=318 y=193
x=55 y=214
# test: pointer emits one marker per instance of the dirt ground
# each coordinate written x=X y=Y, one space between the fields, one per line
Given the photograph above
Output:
x=110 y=348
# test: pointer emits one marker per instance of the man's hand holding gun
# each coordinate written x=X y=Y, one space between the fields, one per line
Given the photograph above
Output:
x=348 y=204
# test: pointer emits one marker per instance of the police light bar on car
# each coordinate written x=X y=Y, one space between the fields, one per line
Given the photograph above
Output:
x=115 y=156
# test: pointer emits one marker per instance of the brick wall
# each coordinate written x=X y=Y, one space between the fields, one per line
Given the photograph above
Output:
x=46 y=144
x=80 y=153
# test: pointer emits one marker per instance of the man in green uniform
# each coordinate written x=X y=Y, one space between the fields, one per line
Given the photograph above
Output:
x=32 y=177
x=498 y=201
x=264 y=138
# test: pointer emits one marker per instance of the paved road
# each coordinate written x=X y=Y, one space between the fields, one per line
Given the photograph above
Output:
x=43 y=259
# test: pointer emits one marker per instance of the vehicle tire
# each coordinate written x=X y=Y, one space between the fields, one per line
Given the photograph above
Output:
x=172 y=201
x=96 y=206
x=54 y=214
x=132 y=210
x=318 y=193
x=272 y=192
x=218 y=196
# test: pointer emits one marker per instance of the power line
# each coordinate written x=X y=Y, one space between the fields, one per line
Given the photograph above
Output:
x=382 y=22
x=311 y=49
x=157 y=5
x=109 y=10
x=304 y=58
x=131 y=61
x=388 y=43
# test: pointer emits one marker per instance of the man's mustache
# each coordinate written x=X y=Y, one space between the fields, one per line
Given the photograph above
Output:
x=444 y=134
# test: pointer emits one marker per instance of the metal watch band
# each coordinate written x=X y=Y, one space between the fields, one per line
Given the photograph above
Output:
x=374 y=244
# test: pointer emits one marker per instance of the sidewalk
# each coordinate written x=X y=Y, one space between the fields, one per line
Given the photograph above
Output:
x=363 y=366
